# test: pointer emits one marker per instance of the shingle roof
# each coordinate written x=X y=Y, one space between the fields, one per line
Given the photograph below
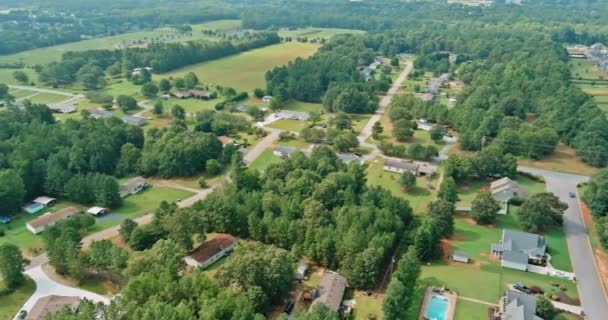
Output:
x=212 y=247
x=285 y=150
x=331 y=291
x=133 y=120
x=402 y=164
x=520 y=306
x=132 y=185
x=99 y=114
x=51 y=304
x=48 y=218
x=519 y=241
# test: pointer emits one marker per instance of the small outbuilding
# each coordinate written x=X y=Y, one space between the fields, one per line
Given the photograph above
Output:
x=267 y=99
x=97 y=211
x=45 y=201
x=134 y=120
x=301 y=270
x=460 y=256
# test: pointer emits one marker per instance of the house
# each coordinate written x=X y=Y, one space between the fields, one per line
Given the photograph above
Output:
x=97 y=211
x=45 y=201
x=211 y=250
x=225 y=140
x=46 y=220
x=99 y=114
x=137 y=71
x=505 y=189
x=435 y=84
x=422 y=124
x=517 y=249
x=64 y=108
x=242 y=107
x=51 y=304
x=200 y=94
x=182 y=94
x=134 y=120
x=516 y=305
x=132 y=186
x=330 y=291
x=284 y=152
x=460 y=256
x=293 y=115
x=426 y=169
x=266 y=99
x=348 y=158
x=301 y=270
x=400 y=166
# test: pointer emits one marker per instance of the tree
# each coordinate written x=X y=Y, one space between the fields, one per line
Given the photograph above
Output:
x=407 y=180
x=395 y=62
x=541 y=212
x=164 y=85
x=545 y=309
x=144 y=237
x=400 y=292
x=403 y=129
x=313 y=135
x=258 y=93
x=105 y=256
x=213 y=167
x=12 y=265
x=596 y=193
x=179 y=83
x=315 y=117
x=377 y=130
x=178 y=112
x=12 y=191
x=126 y=229
x=190 y=80
x=158 y=109
x=91 y=76
x=126 y=103
x=21 y=76
x=426 y=242
x=149 y=90
x=458 y=166
x=441 y=213
x=447 y=190
x=437 y=133
x=342 y=121
x=345 y=141
x=165 y=257
x=485 y=208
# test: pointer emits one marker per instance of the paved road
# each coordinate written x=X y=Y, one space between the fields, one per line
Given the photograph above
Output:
x=264 y=144
x=591 y=291
x=46 y=286
x=40 y=90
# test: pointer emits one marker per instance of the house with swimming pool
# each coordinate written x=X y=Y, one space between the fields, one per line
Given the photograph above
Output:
x=438 y=304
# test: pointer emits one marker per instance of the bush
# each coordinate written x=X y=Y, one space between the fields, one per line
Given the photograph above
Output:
x=536 y=290
x=2 y=232
x=202 y=183
x=517 y=201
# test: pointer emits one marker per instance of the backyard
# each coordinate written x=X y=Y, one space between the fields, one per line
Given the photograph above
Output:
x=264 y=160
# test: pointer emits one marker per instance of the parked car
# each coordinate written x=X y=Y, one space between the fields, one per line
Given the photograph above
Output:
x=22 y=314
x=521 y=287
x=288 y=307
x=572 y=195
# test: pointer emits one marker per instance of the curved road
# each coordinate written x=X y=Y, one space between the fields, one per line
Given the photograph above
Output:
x=593 y=297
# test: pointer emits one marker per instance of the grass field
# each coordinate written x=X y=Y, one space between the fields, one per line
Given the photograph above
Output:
x=264 y=160
x=419 y=197
x=11 y=303
x=17 y=94
x=564 y=159
x=591 y=80
x=289 y=125
x=49 y=54
x=245 y=71
x=48 y=98
x=313 y=33
x=190 y=105
x=6 y=75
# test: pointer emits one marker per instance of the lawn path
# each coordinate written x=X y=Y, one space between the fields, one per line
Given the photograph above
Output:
x=478 y=301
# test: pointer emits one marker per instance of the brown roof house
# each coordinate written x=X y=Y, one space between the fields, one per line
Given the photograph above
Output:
x=330 y=291
x=51 y=304
x=210 y=251
x=132 y=186
x=200 y=94
x=46 y=220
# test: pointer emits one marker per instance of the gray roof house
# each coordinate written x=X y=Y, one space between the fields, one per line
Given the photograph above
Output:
x=294 y=115
x=99 y=114
x=63 y=108
x=133 y=120
x=348 y=158
x=330 y=291
x=516 y=249
x=516 y=305
x=460 y=256
x=301 y=270
x=401 y=166
x=284 y=152
x=506 y=189
x=132 y=186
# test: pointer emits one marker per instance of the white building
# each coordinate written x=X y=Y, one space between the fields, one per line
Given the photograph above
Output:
x=211 y=251
x=49 y=219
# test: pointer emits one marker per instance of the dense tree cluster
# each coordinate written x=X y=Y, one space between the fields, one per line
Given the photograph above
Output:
x=541 y=212
x=489 y=162
x=595 y=196
x=12 y=265
x=400 y=292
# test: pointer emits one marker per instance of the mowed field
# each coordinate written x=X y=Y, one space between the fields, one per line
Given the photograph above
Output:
x=312 y=33
x=49 y=54
x=245 y=71
x=591 y=80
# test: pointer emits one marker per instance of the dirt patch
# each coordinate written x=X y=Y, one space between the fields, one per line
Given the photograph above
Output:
x=457 y=237
x=490 y=257
x=446 y=248
x=468 y=220
x=565 y=298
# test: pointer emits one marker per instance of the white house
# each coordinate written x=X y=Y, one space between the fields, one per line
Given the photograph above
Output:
x=400 y=166
x=46 y=220
x=266 y=99
x=210 y=251
x=132 y=186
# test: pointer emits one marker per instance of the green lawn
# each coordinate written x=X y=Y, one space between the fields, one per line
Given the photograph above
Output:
x=48 y=98
x=359 y=121
x=467 y=310
x=304 y=106
x=6 y=75
x=264 y=160
x=17 y=94
x=295 y=143
x=419 y=198
x=313 y=33
x=11 y=303
x=148 y=200
x=468 y=191
x=289 y=125
x=245 y=71
x=190 y=105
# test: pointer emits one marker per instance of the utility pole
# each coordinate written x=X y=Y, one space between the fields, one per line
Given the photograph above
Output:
x=483 y=142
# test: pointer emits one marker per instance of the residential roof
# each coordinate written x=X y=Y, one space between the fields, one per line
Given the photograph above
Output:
x=132 y=185
x=504 y=184
x=402 y=164
x=348 y=158
x=96 y=210
x=285 y=150
x=520 y=306
x=49 y=218
x=515 y=257
x=426 y=168
x=51 y=304
x=212 y=247
x=518 y=241
x=99 y=114
x=460 y=256
x=65 y=108
x=44 y=200
x=225 y=139
x=302 y=267
x=134 y=120
x=200 y=93
x=331 y=291
x=297 y=115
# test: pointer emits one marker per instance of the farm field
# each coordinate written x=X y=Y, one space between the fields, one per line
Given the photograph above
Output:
x=49 y=54
x=245 y=71
x=313 y=33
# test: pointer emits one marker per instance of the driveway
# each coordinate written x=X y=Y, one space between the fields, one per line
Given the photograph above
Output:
x=264 y=144
x=45 y=287
x=591 y=291
x=40 y=90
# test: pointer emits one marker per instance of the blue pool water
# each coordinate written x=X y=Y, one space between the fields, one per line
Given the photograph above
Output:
x=437 y=308
x=33 y=207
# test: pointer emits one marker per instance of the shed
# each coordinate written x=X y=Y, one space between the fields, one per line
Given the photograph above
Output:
x=301 y=270
x=97 y=211
x=460 y=256
x=45 y=201
x=134 y=120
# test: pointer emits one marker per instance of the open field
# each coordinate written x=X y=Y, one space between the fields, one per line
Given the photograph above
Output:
x=6 y=75
x=49 y=54
x=11 y=303
x=245 y=71
x=591 y=80
x=48 y=98
x=419 y=197
x=190 y=105
x=564 y=159
x=264 y=160
x=312 y=33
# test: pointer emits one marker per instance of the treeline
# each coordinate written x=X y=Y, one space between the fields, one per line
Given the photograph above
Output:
x=332 y=75
x=314 y=206
x=160 y=57
x=49 y=25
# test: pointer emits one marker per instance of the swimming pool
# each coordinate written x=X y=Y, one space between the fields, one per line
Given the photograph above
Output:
x=437 y=308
